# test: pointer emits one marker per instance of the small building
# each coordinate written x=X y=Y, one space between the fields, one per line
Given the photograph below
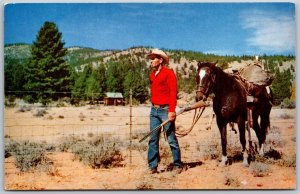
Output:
x=113 y=98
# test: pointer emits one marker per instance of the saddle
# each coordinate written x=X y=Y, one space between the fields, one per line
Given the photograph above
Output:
x=253 y=78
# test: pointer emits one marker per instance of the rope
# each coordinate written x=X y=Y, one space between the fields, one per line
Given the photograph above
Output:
x=195 y=120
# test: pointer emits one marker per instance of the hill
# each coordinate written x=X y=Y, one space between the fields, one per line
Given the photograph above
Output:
x=79 y=57
x=16 y=53
x=118 y=62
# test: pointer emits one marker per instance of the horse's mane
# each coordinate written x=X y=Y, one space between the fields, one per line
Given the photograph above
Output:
x=227 y=80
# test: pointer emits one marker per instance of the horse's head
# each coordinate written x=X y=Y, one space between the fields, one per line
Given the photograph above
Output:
x=205 y=77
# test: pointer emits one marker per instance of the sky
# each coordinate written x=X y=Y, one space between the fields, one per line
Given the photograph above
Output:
x=217 y=28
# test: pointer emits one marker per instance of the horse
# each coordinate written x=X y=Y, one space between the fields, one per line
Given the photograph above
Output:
x=230 y=105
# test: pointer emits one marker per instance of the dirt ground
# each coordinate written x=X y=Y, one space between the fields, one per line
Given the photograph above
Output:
x=201 y=172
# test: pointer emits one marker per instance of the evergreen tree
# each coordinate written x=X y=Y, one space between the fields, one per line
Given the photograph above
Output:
x=101 y=78
x=114 y=77
x=14 y=79
x=135 y=81
x=281 y=86
x=79 y=89
x=92 y=89
x=48 y=75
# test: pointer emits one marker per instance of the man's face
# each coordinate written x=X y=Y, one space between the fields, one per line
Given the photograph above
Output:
x=155 y=63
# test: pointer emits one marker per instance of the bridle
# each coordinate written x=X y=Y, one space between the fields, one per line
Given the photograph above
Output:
x=203 y=89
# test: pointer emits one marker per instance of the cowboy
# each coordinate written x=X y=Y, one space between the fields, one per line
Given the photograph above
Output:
x=164 y=99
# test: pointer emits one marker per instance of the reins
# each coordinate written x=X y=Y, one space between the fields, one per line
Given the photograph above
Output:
x=196 y=117
x=195 y=106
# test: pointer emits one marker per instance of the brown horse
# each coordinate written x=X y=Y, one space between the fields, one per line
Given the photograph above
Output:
x=230 y=105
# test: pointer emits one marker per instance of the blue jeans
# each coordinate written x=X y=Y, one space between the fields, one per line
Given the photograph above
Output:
x=157 y=116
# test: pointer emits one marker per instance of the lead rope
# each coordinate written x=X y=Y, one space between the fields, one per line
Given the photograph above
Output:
x=195 y=120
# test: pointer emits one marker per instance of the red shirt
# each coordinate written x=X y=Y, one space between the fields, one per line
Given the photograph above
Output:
x=164 y=88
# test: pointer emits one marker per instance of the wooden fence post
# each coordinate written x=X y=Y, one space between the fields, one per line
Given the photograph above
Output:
x=130 y=132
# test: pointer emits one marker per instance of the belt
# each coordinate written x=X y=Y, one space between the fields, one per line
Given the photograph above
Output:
x=159 y=105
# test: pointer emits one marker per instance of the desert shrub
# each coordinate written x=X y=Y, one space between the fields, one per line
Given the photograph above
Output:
x=100 y=156
x=209 y=151
x=98 y=152
x=29 y=155
x=276 y=157
x=289 y=161
x=49 y=147
x=67 y=142
x=286 y=116
x=7 y=136
x=24 y=109
x=259 y=169
x=274 y=129
x=144 y=186
x=231 y=181
x=274 y=138
x=62 y=102
x=208 y=148
x=288 y=103
x=273 y=154
x=10 y=147
x=10 y=101
x=40 y=112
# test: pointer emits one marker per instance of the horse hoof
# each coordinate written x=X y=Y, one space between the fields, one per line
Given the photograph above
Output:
x=261 y=150
x=246 y=164
x=261 y=154
x=224 y=163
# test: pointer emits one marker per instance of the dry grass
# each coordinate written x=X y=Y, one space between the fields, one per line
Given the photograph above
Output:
x=28 y=155
x=231 y=180
x=259 y=169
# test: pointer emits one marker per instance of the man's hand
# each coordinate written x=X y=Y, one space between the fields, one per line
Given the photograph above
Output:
x=172 y=116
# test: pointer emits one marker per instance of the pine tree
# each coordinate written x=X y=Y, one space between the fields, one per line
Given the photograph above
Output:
x=79 y=89
x=281 y=86
x=114 y=77
x=135 y=81
x=101 y=77
x=48 y=75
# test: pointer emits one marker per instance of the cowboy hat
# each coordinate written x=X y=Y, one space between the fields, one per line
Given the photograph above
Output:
x=157 y=52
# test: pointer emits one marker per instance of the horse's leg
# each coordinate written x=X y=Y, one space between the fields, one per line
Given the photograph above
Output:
x=241 y=125
x=258 y=131
x=264 y=125
x=223 y=132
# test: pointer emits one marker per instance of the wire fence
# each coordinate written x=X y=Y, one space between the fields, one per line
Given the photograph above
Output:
x=128 y=124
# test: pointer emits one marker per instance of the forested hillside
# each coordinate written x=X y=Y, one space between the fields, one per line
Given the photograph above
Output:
x=94 y=72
